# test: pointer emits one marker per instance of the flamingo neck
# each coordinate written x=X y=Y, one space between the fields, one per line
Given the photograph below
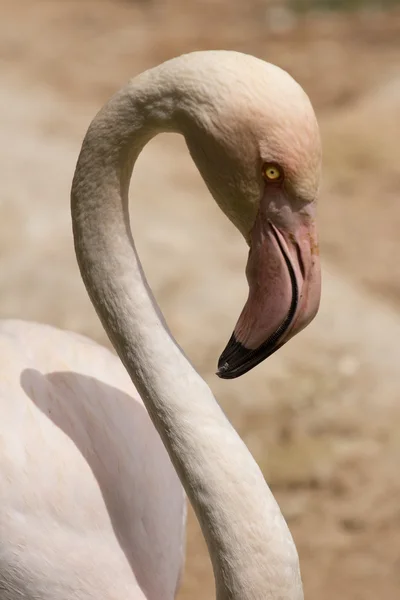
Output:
x=251 y=549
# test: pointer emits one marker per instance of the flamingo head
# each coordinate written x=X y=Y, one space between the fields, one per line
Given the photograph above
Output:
x=256 y=143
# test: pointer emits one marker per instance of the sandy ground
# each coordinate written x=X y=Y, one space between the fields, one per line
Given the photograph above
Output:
x=322 y=416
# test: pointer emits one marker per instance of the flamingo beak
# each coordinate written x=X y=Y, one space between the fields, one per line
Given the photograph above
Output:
x=283 y=273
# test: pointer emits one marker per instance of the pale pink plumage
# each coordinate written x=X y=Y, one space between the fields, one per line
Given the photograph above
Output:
x=90 y=504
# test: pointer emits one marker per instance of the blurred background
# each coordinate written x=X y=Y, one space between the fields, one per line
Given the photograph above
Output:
x=322 y=416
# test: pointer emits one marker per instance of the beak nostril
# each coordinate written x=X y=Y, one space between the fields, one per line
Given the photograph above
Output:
x=300 y=260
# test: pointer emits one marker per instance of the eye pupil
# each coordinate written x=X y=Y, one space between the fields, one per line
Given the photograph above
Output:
x=272 y=172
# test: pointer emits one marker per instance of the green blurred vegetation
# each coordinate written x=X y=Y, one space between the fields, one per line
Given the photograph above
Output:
x=341 y=5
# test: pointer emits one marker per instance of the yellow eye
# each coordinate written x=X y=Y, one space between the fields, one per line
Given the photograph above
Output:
x=272 y=172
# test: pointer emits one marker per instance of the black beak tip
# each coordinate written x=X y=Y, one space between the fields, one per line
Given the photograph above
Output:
x=236 y=359
x=233 y=361
x=223 y=371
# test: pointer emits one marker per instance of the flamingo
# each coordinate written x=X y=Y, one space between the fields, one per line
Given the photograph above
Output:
x=93 y=468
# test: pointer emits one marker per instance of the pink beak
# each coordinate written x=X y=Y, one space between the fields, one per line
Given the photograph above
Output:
x=283 y=272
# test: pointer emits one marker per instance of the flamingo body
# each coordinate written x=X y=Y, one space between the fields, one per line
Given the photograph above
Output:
x=90 y=505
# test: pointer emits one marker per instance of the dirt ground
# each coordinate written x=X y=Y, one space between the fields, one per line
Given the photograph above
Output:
x=322 y=416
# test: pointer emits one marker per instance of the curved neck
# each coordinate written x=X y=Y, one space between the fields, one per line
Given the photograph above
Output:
x=251 y=549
